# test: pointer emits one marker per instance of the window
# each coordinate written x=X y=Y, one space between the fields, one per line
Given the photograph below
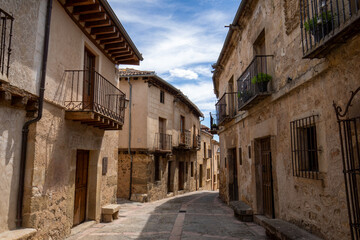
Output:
x=209 y=153
x=304 y=148
x=208 y=173
x=186 y=169
x=214 y=178
x=6 y=35
x=157 y=168
x=249 y=151
x=192 y=169
x=162 y=96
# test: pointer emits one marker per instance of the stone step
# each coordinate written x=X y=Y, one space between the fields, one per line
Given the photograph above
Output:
x=242 y=211
x=18 y=234
x=282 y=230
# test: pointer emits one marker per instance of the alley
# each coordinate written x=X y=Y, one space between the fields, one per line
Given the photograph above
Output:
x=198 y=215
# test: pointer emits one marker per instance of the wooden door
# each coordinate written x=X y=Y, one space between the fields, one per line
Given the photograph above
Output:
x=181 y=175
x=233 y=178
x=267 y=179
x=182 y=129
x=162 y=132
x=82 y=163
x=89 y=78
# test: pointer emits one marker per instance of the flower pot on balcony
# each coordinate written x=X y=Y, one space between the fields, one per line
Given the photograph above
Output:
x=319 y=27
x=261 y=81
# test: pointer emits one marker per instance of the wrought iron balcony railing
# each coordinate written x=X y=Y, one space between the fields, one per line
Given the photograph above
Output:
x=6 y=25
x=254 y=83
x=326 y=23
x=92 y=99
x=163 y=142
x=226 y=107
x=185 y=138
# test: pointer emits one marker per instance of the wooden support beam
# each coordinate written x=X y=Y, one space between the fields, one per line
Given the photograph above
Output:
x=111 y=40
x=128 y=62
x=108 y=36
x=72 y=3
x=87 y=9
x=102 y=30
x=19 y=101
x=127 y=49
x=92 y=17
x=115 y=46
x=79 y=115
x=32 y=106
x=101 y=23
x=125 y=54
x=125 y=58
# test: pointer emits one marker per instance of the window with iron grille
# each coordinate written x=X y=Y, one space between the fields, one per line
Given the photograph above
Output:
x=240 y=156
x=209 y=153
x=162 y=96
x=304 y=148
x=6 y=27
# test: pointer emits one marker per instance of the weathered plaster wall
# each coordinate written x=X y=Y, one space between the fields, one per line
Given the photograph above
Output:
x=11 y=122
x=317 y=205
x=205 y=160
x=139 y=112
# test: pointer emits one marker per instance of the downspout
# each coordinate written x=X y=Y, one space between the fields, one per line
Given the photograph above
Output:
x=129 y=149
x=196 y=164
x=25 y=129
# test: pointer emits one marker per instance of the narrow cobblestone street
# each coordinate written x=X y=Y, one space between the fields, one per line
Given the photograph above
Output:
x=199 y=215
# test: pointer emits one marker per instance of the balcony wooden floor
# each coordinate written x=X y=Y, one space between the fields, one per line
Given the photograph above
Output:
x=93 y=119
x=254 y=101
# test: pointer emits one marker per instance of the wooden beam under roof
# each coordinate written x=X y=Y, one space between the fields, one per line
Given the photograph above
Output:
x=87 y=9
x=125 y=58
x=92 y=17
x=71 y=3
x=122 y=54
x=115 y=46
x=129 y=62
x=111 y=40
x=119 y=50
x=107 y=36
x=101 y=23
x=102 y=30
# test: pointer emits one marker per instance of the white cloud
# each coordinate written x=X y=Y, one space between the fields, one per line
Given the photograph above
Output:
x=183 y=73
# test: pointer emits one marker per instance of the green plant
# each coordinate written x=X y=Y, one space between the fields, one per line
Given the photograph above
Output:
x=317 y=20
x=214 y=125
x=261 y=77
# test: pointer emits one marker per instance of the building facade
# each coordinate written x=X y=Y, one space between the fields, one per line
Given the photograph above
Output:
x=281 y=68
x=164 y=139
x=59 y=99
x=207 y=166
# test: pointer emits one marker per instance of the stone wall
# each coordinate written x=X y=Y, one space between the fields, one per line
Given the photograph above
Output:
x=316 y=205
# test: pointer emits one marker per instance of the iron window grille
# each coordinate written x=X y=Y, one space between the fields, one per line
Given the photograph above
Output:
x=6 y=25
x=209 y=153
x=208 y=173
x=304 y=148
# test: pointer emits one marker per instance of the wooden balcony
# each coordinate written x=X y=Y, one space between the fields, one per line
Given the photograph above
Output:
x=93 y=100
x=327 y=23
x=163 y=142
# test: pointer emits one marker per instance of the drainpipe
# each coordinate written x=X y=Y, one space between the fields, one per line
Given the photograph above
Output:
x=129 y=149
x=196 y=163
x=25 y=129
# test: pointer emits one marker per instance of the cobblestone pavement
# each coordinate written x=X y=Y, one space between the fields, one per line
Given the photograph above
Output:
x=198 y=215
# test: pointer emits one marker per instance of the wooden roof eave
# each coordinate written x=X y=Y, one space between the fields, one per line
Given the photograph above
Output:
x=99 y=23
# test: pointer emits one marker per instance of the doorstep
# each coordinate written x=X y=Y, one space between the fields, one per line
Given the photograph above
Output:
x=283 y=230
x=18 y=234
x=81 y=227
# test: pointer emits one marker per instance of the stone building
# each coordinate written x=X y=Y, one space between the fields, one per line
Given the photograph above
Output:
x=164 y=139
x=206 y=161
x=59 y=97
x=281 y=68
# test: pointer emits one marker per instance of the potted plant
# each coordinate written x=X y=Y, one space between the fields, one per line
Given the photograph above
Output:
x=213 y=126
x=261 y=80
x=319 y=25
x=245 y=95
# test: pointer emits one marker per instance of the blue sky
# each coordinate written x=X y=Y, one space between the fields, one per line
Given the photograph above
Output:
x=179 y=40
